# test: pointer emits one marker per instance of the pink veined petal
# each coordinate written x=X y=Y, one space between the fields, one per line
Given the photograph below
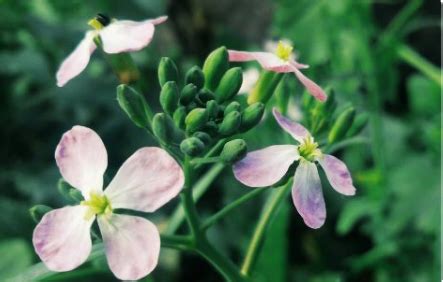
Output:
x=268 y=61
x=127 y=36
x=265 y=167
x=132 y=245
x=310 y=85
x=299 y=65
x=62 y=239
x=146 y=181
x=337 y=174
x=82 y=159
x=159 y=20
x=307 y=195
x=297 y=131
x=77 y=61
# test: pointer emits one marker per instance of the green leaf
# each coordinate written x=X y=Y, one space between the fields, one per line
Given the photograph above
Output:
x=16 y=256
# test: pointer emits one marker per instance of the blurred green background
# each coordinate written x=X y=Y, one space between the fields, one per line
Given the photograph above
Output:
x=382 y=56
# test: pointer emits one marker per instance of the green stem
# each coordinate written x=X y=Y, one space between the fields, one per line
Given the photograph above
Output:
x=177 y=242
x=188 y=202
x=200 y=161
x=416 y=60
x=265 y=218
x=227 y=209
x=198 y=190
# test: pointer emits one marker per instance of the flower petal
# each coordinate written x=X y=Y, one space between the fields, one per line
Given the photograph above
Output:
x=146 y=181
x=159 y=20
x=265 y=167
x=307 y=195
x=268 y=61
x=82 y=159
x=337 y=174
x=127 y=36
x=77 y=61
x=297 y=131
x=310 y=85
x=62 y=239
x=132 y=245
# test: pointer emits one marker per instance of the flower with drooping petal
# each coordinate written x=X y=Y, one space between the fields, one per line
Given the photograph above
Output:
x=282 y=62
x=145 y=182
x=116 y=37
x=267 y=166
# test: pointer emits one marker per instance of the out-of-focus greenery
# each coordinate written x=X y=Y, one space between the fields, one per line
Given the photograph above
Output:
x=381 y=56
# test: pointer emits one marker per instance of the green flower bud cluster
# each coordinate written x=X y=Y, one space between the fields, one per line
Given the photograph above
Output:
x=205 y=107
x=333 y=122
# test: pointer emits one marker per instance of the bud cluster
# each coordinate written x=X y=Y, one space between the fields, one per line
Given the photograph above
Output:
x=205 y=108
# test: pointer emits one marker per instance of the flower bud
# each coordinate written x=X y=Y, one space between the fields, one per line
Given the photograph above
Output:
x=211 y=128
x=195 y=76
x=265 y=87
x=134 y=105
x=192 y=146
x=38 y=211
x=169 y=97
x=234 y=150
x=196 y=119
x=213 y=109
x=358 y=125
x=179 y=117
x=229 y=84
x=233 y=106
x=203 y=136
x=167 y=71
x=215 y=66
x=205 y=95
x=251 y=116
x=231 y=122
x=165 y=130
x=188 y=94
x=341 y=126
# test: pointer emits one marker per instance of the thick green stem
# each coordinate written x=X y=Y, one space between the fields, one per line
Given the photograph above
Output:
x=198 y=190
x=227 y=209
x=182 y=243
x=267 y=214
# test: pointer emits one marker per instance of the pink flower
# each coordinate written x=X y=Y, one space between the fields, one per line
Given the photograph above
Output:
x=118 y=36
x=145 y=182
x=266 y=167
x=281 y=61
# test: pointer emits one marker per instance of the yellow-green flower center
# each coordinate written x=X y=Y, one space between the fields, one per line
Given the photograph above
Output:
x=284 y=51
x=95 y=24
x=308 y=149
x=97 y=204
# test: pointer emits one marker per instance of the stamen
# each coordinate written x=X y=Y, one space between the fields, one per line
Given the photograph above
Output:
x=284 y=51
x=99 y=21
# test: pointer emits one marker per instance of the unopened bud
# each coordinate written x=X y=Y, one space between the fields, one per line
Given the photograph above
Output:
x=251 y=116
x=133 y=104
x=165 y=130
x=230 y=124
x=358 y=125
x=196 y=119
x=341 y=125
x=265 y=87
x=203 y=136
x=215 y=66
x=38 y=211
x=169 y=97
x=188 y=94
x=179 y=117
x=233 y=106
x=234 y=150
x=192 y=146
x=167 y=71
x=195 y=76
x=213 y=109
x=229 y=84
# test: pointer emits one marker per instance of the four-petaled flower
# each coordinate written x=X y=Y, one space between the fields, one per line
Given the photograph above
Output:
x=266 y=167
x=116 y=37
x=145 y=182
x=282 y=61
